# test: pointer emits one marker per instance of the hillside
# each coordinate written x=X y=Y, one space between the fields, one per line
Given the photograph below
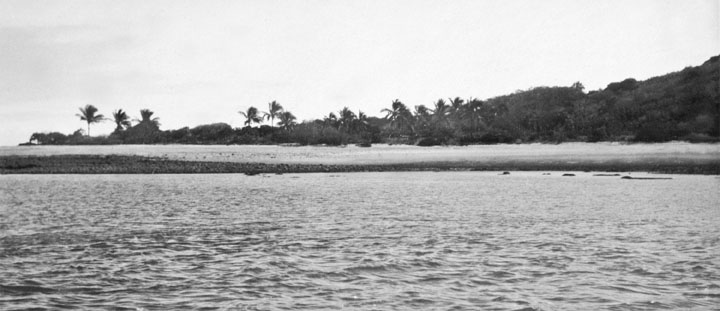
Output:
x=682 y=105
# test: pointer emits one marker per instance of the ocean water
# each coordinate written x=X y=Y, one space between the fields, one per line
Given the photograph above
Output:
x=359 y=241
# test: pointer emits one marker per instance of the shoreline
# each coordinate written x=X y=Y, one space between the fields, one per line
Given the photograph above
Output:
x=134 y=164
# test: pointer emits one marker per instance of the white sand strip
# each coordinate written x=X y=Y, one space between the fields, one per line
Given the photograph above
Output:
x=392 y=154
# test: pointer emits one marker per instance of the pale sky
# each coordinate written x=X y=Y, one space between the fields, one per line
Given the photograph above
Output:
x=200 y=62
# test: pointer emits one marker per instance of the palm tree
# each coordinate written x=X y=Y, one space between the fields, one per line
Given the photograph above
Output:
x=346 y=118
x=251 y=116
x=287 y=120
x=441 y=111
x=399 y=115
x=122 y=120
x=331 y=120
x=472 y=112
x=147 y=129
x=422 y=118
x=361 y=123
x=457 y=110
x=422 y=112
x=274 y=110
x=146 y=118
x=88 y=114
x=456 y=103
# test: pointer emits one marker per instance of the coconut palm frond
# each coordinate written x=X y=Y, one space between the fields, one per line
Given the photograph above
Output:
x=121 y=119
x=89 y=115
x=251 y=116
x=287 y=120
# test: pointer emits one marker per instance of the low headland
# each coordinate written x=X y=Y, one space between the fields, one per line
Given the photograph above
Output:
x=675 y=158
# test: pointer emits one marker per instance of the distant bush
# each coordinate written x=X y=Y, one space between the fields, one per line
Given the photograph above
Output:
x=656 y=132
x=626 y=85
x=700 y=138
x=310 y=133
x=427 y=142
x=179 y=136
x=143 y=133
x=212 y=133
x=496 y=138
x=52 y=138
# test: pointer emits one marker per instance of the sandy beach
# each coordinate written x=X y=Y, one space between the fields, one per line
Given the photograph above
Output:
x=675 y=157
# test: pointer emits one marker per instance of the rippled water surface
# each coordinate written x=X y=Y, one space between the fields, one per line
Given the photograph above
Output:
x=364 y=241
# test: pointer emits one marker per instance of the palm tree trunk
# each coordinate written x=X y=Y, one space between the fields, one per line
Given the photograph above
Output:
x=88 y=129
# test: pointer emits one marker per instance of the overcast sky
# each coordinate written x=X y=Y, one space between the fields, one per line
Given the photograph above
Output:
x=199 y=62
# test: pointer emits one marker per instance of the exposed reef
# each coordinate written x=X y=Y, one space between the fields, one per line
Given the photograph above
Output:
x=124 y=164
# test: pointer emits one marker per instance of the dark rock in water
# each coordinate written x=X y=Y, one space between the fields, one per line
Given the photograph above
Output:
x=645 y=178
x=505 y=173
x=568 y=175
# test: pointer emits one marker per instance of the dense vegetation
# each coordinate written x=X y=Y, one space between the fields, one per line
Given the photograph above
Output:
x=682 y=105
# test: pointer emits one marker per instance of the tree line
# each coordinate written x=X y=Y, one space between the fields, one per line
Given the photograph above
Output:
x=682 y=105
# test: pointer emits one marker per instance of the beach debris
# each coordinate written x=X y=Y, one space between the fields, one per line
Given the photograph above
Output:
x=568 y=175
x=504 y=173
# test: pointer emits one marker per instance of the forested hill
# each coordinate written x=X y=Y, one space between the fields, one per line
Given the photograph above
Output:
x=683 y=105
x=679 y=105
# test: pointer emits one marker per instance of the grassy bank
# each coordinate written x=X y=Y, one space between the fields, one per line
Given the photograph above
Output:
x=131 y=164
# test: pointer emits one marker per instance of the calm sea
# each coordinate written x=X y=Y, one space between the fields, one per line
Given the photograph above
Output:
x=359 y=241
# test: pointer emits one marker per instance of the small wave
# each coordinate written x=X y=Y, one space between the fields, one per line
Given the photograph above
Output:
x=703 y=295
x=253 y=270
x=625 y=289
x=483 y=282
x=83 y=290
x=100 y=245
x=501 y=274
x=577 y=272
x=429 y=263
x=374 y=268
x=432 y=279
x=325 y=275
x=419 y=302
x=26 y=289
